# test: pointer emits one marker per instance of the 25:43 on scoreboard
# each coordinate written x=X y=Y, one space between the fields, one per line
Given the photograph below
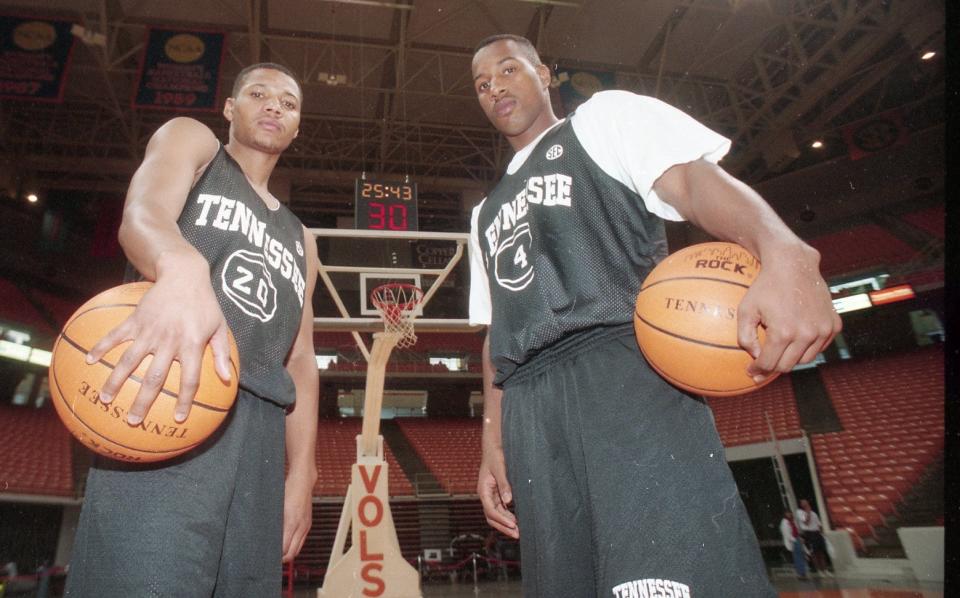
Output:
x=385 y=205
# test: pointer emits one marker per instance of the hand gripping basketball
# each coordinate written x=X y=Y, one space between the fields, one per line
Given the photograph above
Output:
x=686 y=319
x=103 y=425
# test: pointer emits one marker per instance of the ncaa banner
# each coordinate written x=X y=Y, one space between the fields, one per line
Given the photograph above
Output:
x=180 y=70
x=576 y=86
x=34 y=55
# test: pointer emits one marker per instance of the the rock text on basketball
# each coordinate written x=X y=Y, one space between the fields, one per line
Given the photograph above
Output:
x=721 y=265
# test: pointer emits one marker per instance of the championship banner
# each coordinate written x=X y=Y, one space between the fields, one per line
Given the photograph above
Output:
x=576 y=86
x=180 y=70
x=34 y=54
x=876 y=133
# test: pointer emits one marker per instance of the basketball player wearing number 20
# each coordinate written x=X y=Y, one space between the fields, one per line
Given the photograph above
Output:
x=223 y=252
x=618 y=478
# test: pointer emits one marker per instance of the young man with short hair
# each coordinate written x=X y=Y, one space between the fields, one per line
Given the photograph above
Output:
x=619 y=479
x=222 y=252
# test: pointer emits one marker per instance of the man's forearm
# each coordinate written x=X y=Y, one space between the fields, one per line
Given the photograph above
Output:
x=157 y=195
x=729 y=209
x=301 y=434
x=492 y=397
x=156 y=247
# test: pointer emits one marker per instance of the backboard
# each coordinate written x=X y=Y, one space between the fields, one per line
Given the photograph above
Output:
x=352 y=262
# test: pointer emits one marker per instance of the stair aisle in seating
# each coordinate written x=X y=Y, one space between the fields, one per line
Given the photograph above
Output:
x=337 y=452
x=413 y=466
x=816 y=410
x=449 y=446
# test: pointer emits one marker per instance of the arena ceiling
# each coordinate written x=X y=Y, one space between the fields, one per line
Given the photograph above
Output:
x=388 y=89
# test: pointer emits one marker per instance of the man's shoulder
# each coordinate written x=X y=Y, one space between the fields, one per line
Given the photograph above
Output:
x=610 y=103
x=475 y=213
x=186 y=137
x=186 y=126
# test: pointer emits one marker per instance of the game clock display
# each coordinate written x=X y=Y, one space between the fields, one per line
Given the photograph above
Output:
x=385 y=205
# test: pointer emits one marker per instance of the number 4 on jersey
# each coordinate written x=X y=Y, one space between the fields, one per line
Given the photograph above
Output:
x=513 y=269
x=520 y=257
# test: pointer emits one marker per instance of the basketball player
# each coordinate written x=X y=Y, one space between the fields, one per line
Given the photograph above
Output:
x=619 y=479
x=223 y=252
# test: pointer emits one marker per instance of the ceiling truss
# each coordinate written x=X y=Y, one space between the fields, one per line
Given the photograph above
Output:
x=785 y=92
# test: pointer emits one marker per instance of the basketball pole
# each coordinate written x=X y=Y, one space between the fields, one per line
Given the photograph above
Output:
x=373 y=565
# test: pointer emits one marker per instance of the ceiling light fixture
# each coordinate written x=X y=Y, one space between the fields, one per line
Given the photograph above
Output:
x=817 y=144
x=928 y=55
x=333 y=79
x=91 y=38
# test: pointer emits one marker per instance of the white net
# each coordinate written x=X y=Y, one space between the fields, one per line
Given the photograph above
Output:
x=397 y=303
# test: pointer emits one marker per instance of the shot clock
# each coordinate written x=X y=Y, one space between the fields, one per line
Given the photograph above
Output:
x=385 y=205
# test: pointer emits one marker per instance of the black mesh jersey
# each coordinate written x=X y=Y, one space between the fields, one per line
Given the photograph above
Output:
x=257 y=269
x=566 y=247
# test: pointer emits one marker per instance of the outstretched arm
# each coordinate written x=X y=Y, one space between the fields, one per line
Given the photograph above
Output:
x=302 y=421
x=789 y=297
x=492 y=485
x=180 y=314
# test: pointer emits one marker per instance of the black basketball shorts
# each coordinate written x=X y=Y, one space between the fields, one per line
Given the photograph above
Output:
x=620 y=482
x=209 y=523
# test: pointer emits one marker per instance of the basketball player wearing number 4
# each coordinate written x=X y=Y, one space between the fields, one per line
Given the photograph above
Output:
x=619 y=479
x=200 y=222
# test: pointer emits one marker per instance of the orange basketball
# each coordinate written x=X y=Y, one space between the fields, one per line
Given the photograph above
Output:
x=75 y=388
x=686 y=319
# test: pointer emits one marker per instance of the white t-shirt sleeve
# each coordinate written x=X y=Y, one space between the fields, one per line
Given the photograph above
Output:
x=480 y=311
x=636 y=138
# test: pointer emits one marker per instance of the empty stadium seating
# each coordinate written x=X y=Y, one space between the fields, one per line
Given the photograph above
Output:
x=337 y=452
x=334 y=340
x=932 y=220
x=44 y=313
x=450 y=447
x=37 y=455
x=743 y=419
x=409 y=361
x=920 y=279
x=860 y=247
x=892 y=412
x=15 y=307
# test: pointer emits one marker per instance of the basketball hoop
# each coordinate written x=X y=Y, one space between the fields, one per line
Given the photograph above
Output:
x=396 y=302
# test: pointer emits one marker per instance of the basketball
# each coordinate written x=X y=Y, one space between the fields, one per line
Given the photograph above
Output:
x=75 y=388
x=686 y=319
